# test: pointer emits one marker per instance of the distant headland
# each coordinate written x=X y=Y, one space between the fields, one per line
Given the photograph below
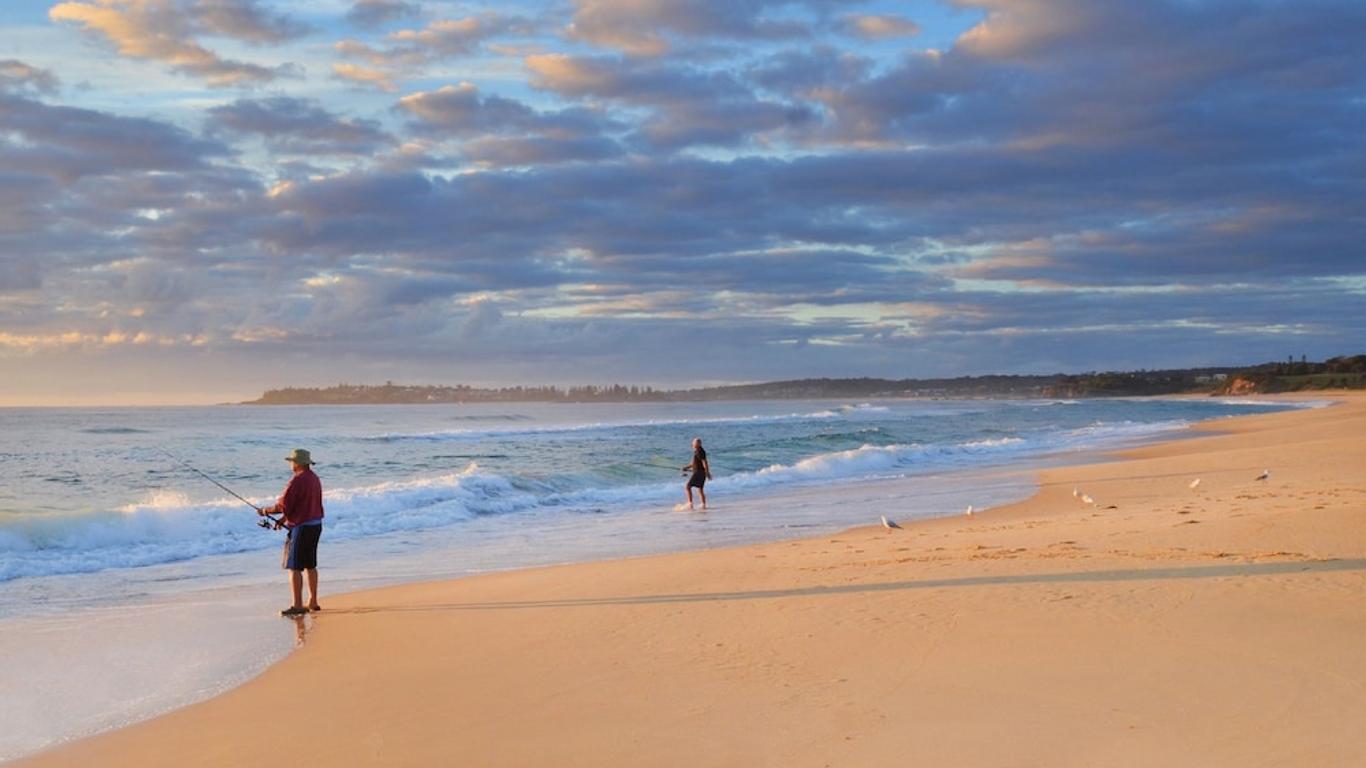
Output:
x=1290 y=376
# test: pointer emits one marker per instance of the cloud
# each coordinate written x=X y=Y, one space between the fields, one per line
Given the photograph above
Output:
x=652 y=220
x=12 y=342
x=245 y=20
x=502 y=132
x=649 y=27
x=16 y=75
x=298 y=126
x=1179 y=176
x=165 y=31
x=461 y=109
x=462 y=37
x=1017 y=28
x=872 y=27
x=411 y=50
x=691 y=107
x=374 y=13
x=809 y=73
x=512 y=151
x=68 y=143
x=83 y=190
x=1168 y=77
x=366 y=76
x=747 y=238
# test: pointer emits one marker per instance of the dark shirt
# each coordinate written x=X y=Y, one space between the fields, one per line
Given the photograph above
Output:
x=699 y=461
x=302 y=501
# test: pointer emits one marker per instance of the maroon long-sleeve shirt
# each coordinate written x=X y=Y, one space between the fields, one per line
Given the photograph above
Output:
x=302 y=501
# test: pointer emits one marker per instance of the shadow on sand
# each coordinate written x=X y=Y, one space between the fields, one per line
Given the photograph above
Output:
x=1228 y=570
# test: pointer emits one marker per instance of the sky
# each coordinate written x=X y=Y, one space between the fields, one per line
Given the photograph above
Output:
x=203 y=199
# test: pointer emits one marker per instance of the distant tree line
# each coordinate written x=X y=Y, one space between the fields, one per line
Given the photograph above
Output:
x=1291 y=376
x=391 y=393
x=1347 y=372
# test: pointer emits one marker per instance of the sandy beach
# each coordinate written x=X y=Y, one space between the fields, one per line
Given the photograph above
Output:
x=1219 y=625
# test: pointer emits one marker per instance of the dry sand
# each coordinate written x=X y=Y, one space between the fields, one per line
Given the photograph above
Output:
x=1163 y=626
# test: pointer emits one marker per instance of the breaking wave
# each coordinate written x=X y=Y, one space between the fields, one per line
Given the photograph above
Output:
x=166 y=527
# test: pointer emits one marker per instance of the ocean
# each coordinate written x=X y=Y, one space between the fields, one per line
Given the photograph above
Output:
x=131 y=585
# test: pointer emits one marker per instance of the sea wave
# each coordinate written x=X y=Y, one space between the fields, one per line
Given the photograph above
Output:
x=1116 y=431
x=871 y=460
x=1276 y=403
x=467 y=434
x=116 y=431
x=862 y=463
x=165 y=527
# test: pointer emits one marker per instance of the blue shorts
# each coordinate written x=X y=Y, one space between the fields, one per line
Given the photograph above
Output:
x=301 y=547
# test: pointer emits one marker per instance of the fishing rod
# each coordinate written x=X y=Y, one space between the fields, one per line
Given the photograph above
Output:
x=274 y=522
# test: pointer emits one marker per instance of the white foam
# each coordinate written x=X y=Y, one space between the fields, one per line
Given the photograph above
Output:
x=166 y=527
x=466 y=434
x=1277 y=403
x=1105 y=432
x=158 y=500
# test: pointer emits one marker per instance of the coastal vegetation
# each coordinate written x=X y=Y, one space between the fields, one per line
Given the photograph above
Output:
x=1291 y=376
x=1337 y=372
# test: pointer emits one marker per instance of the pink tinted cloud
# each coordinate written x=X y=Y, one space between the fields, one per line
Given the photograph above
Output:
x=871 y=27
x=166 y=32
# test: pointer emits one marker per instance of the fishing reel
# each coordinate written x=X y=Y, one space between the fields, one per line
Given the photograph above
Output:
x=264 y=523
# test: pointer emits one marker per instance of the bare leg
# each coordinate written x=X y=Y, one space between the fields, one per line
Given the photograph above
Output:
x=313 y=589
x=689 y=489
x=296 y=583
x=703 y=493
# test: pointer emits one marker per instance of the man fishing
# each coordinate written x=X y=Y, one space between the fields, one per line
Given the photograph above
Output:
x=301 y=511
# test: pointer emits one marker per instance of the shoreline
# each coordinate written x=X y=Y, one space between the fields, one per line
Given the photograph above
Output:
x=992 y=553
x=58 y=708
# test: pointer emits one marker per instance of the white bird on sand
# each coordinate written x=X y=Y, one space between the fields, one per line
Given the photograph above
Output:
x=889 y=524
x=1076 y=493
x=1086 y=499
x=1266 y=473
x=969 y=512
x=1195 y=483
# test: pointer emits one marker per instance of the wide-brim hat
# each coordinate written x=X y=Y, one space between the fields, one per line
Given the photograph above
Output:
x=301 y=457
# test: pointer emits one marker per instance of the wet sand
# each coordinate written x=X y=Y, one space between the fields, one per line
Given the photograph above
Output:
x=1162 y=625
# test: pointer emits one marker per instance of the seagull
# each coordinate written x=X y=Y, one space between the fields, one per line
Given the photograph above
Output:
x=1266 y=473
x=1195 y=483
x=969 y=512
x=889 y=524
x=1086 y=499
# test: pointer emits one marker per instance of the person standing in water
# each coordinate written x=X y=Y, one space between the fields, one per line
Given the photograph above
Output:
x=701 y=472
x=301 y=507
